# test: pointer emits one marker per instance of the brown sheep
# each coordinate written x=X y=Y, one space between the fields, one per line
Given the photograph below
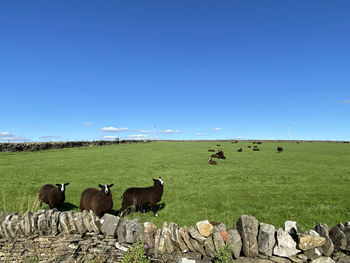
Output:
x=140 y=197
x=51 y=195
x=215 y=155
x=99 y=201
x=212 y=162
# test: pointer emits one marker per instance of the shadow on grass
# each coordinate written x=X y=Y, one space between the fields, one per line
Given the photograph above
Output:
x=145 y=209
x=67 y=207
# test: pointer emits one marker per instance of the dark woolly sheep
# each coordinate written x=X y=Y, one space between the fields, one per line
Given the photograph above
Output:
x=221 y=154
x=279 y=149
x=212 y=162
x=51 y=195
x=256 y=149
x=211 y=150
x=215 y=155
x=141 y=197
x=218 y=145
x=240 y=150
x=99 y=201
x=249 y=146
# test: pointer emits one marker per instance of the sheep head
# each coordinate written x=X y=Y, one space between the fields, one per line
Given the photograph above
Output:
x=106 y=188
x=159 y=182
x=62 y=187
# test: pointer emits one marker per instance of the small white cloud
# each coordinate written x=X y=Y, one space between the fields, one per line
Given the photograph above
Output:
x=50 y=137
x=3 y=134
x=217 y=129
x=114 y=129
x=170 y=131
x=138 y=137
x=8 y=137
x=88 y=124
x=345 y=101
x=199 y=134
x=145 y=131
x=109 y=137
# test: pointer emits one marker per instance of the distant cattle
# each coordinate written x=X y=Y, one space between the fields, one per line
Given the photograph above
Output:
x=279 y=149
x=240 y=150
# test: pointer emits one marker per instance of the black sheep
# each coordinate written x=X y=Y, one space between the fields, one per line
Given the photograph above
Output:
x=51 y=195
x=279 y=149
x=221 y=154
x=140 y=197
x=99 y=201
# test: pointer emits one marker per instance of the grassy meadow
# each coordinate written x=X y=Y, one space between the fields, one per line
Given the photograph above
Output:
x=309 y=182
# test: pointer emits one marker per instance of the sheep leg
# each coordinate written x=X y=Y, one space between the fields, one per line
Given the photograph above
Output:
x=41 y=203
x=154 y=209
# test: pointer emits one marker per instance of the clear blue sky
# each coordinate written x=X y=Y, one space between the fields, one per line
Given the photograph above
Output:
x=86 y=70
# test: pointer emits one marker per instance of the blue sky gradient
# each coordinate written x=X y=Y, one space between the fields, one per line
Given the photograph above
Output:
x=89 y=70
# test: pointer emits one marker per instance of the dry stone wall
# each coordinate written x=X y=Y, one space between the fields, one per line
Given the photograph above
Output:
x=38 y=146
x=54 y=236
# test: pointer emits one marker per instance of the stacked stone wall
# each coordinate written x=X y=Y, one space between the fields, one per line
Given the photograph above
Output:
x=39 y=146
x=54 y=236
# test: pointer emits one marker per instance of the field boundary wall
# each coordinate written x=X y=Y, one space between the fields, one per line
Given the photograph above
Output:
x=38 y=146
x=54 y=236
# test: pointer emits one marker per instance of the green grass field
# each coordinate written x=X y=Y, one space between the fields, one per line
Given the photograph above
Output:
x=308 y=182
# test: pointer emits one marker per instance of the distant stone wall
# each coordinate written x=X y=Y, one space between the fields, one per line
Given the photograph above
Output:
x=38 y=146
x=54 y=236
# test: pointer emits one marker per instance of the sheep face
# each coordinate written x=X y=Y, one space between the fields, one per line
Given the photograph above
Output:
x=158 y=182
x=106 y=188
x=62 y=187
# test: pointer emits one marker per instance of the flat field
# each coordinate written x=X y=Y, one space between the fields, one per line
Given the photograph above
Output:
x=309 y=182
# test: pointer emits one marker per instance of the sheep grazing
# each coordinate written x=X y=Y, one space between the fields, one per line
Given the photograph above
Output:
x=51 y=195
x=141 y=197
x=256 y=149
x=211 y=150
x=221 y=154
x=240 y=150
x=249 y=146
x=218 y=145
x=279 y=149
x=99 y=201
x=215 y=155
x=212 y=162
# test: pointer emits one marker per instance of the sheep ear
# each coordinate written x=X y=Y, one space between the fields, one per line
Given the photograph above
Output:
x=100 y=185
x=58 y=185
x=110 y=185
x=66 y=184
x=154 y=180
